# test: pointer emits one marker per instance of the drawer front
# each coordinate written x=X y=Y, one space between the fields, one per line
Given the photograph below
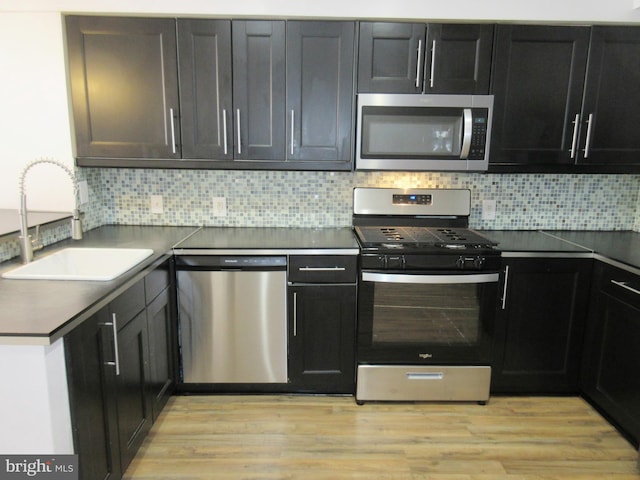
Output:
x=156 y=281
x=621 y=284
x=129 y=304
x=323 y=268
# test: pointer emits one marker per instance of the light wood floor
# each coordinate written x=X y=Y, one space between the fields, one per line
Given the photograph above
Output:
x=307 y=437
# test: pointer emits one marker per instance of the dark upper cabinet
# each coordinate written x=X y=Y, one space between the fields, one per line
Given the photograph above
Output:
x=259 y=83
x=206 y=102
x=611 y=368
x=124 y=87
x=319 y=108
x=537 y=83
x=290 y=102
x=610 y=113
x=565 y=99
x=540 y=325
x=419 y=58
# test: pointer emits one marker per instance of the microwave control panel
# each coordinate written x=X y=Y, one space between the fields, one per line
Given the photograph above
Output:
x=478 y=133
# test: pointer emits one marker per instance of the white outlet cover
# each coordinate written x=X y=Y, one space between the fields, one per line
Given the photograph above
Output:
x=156 y=204
x=219 y=205
x=83 y=192
x=489 y=210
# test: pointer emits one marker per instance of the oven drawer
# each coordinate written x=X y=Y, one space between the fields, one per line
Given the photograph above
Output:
x=323 y=268
x=423 y=383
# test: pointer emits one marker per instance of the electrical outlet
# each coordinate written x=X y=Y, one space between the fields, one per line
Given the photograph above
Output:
x=488 y=210
x=219 y=206
x=83 y=192
x=155 y=203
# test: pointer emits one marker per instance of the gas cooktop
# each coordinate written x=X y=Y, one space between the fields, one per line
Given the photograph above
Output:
x=420 y=237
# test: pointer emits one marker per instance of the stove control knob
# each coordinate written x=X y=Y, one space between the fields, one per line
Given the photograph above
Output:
x=476 y=262
x=395 y=262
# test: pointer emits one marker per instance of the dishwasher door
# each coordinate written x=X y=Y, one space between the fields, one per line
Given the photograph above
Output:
x=233 y=325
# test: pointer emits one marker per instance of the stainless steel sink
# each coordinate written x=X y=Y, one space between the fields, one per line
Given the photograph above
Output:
x=101 y=264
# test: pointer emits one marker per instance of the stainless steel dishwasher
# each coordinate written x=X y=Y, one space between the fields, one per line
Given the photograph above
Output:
x=233 y=318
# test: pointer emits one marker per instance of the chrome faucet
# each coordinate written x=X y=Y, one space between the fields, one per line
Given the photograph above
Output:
x=27 y=245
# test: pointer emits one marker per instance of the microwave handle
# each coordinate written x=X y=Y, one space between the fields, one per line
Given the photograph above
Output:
x=466 y=133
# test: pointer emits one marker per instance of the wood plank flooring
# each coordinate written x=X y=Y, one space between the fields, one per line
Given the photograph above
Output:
x=316 y=437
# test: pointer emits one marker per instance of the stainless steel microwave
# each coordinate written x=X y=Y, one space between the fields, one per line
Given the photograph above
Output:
x=423 y=132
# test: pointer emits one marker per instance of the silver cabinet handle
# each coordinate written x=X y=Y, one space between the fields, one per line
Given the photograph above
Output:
x=292 y=120
x=238 y=125
x=625 y=286
x=504 y=288
x=322 y=269
x=418 y=63
x=467 y=133
x=574 y=141
x=173 y=132
x=588 y=140
x=114 y=327
x=433 y=64
x=224 y=130
x=295 y=314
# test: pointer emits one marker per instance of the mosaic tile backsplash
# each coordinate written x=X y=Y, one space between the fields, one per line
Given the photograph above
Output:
x=324 y=199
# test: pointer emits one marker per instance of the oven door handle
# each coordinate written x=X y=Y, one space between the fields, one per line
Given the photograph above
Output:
x=433 y=279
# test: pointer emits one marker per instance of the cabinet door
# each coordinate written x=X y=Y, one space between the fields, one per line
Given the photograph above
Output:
x=390 y=57
x=204 y=48
x=259 y=89
x=458 y=58
x=124 y=86
x=539 y=329
x=160 y=320
x=537 y=82
x=612 y=98
x=322 y=338
x=134 y=406
x=94 y=414
x=611 y=369
x=320 y=58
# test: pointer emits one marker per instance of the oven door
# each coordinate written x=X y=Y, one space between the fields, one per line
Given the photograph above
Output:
x=426 y=319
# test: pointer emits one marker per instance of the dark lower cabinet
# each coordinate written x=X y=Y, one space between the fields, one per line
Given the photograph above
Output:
x=322 y=323
x=92 y=392
x=322 y=338
x=133 y=401
x=161 y=350
x=611 y=367
x=120 y=370
x=540 y=325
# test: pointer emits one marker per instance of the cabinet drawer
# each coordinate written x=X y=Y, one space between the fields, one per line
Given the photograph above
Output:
x=323 y=268
x=129 y=304
x=156 y=281
x=621 y=284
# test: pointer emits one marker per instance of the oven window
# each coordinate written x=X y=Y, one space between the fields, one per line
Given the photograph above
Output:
x=440 y=314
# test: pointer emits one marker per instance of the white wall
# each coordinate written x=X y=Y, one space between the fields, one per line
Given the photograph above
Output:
x=34 y=120
x=35 y=404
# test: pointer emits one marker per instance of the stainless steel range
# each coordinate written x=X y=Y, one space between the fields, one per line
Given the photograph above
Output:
x=428 y=289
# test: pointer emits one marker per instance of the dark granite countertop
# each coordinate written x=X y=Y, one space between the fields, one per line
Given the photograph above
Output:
x=619 y=246
x=531 y=241
x=286 y=240
x=41 y=311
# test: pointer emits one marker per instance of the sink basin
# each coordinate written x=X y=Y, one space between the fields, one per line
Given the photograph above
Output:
x=100 y=264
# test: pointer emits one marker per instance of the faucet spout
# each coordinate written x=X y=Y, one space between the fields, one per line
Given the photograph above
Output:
x=26 y=243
